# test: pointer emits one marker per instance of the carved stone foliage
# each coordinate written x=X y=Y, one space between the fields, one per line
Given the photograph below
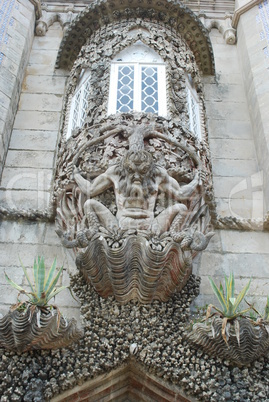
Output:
x=172 y=14
x=132 y=202
x=107 y=42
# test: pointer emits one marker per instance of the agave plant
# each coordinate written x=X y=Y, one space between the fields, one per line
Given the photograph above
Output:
x=229 y=310
x=232 y=334
x=33 y=324
x=43 y=287
x=260 y=318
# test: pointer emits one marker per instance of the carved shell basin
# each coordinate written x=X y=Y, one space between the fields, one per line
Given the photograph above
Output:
x=254 y=341
x=135 y=270
x=22 y=332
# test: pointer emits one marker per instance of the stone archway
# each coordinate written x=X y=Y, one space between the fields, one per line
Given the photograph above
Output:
x=176 y=16
x=131 y=382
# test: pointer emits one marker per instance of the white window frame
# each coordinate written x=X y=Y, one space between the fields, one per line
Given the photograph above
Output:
x=80 y=94
x=161 y=79
x=194 y=112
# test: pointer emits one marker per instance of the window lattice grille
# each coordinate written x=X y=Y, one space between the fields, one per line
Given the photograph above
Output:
x=79 y=105
x=194 y=113
x=149 y=81
x=137 y=87
x=125 y=93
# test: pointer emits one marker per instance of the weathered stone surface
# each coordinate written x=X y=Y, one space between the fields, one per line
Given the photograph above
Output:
x=22 y=232
x=23 y=199
x=28 y=179
x=234 y=167
x=37 y=120
x=247 y=242
x=15 y=51
x=33 y=140
x=41 y=102
x=44 y=84
x=29 y=158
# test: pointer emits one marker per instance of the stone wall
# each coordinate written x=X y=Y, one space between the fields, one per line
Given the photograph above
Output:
x=237 y=178
x=231 y=142
x=27 y=179
x=28 y=175
x=253 y=50
x=17 y=31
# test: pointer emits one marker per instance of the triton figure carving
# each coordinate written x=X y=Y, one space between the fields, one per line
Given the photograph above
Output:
x=139 y=242
x=136 y=182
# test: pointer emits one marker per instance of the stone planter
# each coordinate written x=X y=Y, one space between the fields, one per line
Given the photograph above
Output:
x=254 y=341
x=24 y=331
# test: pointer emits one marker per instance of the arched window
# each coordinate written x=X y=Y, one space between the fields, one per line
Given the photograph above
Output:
x=193 y=108
x=137 y=81
x=79 y=102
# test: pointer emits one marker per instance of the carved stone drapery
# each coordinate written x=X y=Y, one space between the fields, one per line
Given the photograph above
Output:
x=131 y=205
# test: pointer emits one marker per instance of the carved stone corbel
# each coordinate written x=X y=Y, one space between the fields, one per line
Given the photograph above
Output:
x=223 y=26
x=41 y=28
x=229 y=33
x=42 y=24
x=48 y=18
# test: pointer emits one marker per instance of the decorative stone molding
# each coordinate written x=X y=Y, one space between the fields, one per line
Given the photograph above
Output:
x=224 y=27
x=242 y=10
x=173 y=14
x=230 y=222
x=38 y=10
x=266 y=222
x=30 y=214
x=48 y=18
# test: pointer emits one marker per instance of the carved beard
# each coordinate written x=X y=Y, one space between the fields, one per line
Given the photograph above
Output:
x=145 y=189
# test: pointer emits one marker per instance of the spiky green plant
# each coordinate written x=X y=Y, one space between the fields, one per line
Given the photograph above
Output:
x=43 y=287
x=259 y=317
x=229 y=310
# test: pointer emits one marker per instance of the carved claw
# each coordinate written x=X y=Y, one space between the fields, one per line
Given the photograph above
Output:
x=65 y=241
x=200 y=241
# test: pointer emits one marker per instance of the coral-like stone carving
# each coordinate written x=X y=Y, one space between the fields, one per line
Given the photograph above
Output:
x=132 y=208
x=172 y=14
x=254 y=341
x=22 y=331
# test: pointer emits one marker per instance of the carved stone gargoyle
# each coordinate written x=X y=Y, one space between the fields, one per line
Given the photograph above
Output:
x=137 y=225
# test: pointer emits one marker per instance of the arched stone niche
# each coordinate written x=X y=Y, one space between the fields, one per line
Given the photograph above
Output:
x=175 y=16
x=104 y=45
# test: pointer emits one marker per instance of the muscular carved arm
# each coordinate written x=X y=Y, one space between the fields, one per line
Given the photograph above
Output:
x=171 y=187
x=97 y=186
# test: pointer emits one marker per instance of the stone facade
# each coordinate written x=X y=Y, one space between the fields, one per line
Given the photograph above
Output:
x=42 y=50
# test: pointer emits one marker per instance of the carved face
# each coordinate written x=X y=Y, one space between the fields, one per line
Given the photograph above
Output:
x=137 y=165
